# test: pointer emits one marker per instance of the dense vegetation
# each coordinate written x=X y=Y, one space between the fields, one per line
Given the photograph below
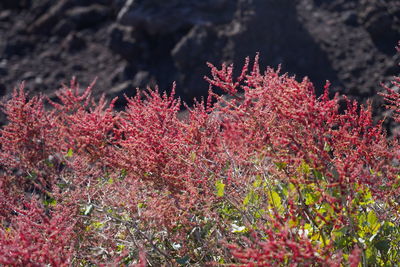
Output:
x=273 y=176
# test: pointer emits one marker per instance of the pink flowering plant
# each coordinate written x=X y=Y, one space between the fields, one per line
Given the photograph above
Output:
x=272 y=175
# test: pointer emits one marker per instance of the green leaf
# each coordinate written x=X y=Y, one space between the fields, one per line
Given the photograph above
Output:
x=184 y=260
x=291 y=187
x=366 y=198
x=383 y=246
x=193 y=156
x=246 y=200
x=220 y=187
x=318 y=174
x=304 y=168
x=373 y=222
x=280 y=165
x=371 y=218
x=252 y=198
x=327 y=148
x=124 y=173
x=49 y=163
x=70 y=153
x=62 y=185
x=258 y=181
x=311 y=198
x=259 y=213
x=340 y=237
x=276 y=199
x=50 y=202
x=97 y=225
x=120 y=247
x=370 y=255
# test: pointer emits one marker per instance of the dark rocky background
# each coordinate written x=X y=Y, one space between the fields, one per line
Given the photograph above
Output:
x=135 y=43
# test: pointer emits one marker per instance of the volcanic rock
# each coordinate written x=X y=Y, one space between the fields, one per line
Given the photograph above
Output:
x=146 y=42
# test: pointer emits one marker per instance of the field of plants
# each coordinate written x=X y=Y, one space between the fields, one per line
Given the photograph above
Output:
x=274 y=176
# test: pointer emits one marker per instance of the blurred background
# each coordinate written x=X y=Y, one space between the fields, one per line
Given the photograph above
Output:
x=138 y=43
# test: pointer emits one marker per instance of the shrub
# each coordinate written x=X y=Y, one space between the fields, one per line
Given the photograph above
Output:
x=272 y=175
